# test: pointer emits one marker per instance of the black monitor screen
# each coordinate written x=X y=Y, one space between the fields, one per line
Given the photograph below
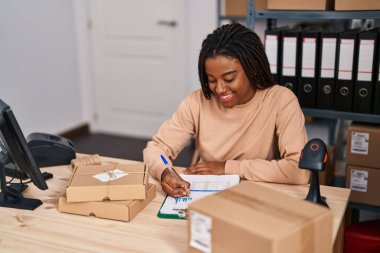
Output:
x=16 y=146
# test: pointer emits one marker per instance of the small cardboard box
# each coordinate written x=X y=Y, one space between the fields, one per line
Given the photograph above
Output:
x=363 y=142
x=123 y=210
x=112 y=182
x=364 y=184
x=253 y=218
x=351 y=5
x=300 y=5
x=239 y=7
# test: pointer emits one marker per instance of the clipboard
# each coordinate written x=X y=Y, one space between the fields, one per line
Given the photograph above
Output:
x=201 y=186
x=169 y=216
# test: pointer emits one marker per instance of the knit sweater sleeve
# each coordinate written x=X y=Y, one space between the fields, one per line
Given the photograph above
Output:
x=292 y=136
x=171 y=137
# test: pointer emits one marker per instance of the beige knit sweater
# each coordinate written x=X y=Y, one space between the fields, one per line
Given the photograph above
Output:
x=260 y=140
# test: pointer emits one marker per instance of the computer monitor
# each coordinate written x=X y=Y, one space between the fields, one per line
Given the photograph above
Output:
x=14 y=149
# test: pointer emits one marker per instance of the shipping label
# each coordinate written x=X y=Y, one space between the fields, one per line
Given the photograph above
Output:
x=359 y=180
x=359 y=143
x=200 y=237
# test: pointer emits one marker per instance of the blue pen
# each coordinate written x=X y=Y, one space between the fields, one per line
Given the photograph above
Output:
x=170 y=168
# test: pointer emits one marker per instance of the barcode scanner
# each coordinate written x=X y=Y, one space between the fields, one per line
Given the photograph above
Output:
x=314 y=158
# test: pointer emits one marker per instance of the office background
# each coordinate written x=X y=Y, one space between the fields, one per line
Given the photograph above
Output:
x=46 y=63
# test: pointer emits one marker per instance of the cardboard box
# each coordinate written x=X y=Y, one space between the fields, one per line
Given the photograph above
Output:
x=123 y=210
x=364 y=184
x=112 y=182
x=363 y=142
x=253 y=218
x=350 y=5
x=239 y=7
x=326 y=177
x=300 y=5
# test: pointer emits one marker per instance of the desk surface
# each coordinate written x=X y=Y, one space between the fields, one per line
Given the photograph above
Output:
x=47 y=230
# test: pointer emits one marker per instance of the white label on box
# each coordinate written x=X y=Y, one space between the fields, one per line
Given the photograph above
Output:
x=359 y=143
x=359 y=180
x=110 y=175
x=200 y=237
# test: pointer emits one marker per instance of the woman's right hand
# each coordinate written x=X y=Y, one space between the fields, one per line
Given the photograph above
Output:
x=172 y=187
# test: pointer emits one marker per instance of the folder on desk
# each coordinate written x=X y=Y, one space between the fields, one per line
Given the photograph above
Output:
x=273 y=50
x=346 y=66
x=364 y=85
x=307 y=83
x=376 y=97
x=290 y=59
x=326 y=81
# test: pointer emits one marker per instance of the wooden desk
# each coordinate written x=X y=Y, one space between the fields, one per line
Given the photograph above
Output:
x=47 y=230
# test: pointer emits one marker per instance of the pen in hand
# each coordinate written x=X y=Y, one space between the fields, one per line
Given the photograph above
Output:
x=172 y=171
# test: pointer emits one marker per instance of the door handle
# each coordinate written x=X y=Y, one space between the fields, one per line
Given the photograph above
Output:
x=171 y=23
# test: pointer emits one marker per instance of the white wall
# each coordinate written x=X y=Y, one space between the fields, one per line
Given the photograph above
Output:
x=44 y=64
x=201 y=20
x=38 y=64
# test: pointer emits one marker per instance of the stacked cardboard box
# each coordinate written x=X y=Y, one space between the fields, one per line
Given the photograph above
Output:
x=363 y=163
x=253 y=218
x=300 y=5
x=239 y=7
x=116 y=191
x=351 y=5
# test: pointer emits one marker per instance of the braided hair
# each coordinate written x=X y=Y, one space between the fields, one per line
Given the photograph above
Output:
x=239 y=42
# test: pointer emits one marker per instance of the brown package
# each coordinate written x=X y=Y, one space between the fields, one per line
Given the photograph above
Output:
x=364 y=184
x=351 y=5
x=239 y=7
x=363 y=142
x=300 y=5
x=123 y=210
x=113 y=182
x=253 y=218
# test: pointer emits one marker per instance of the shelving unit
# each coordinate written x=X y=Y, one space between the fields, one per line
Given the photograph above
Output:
x=271 y=17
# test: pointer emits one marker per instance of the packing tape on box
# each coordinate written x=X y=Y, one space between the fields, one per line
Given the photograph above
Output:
x=86 y=160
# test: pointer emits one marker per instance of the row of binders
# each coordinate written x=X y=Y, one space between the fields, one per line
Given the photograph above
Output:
x=328 y=70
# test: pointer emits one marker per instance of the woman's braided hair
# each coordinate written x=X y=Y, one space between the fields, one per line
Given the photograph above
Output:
x=239 y=42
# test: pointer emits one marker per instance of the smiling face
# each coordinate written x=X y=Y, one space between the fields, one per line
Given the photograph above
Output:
x=227 y=81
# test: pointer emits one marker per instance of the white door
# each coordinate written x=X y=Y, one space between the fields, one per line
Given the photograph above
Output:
x=138 y=54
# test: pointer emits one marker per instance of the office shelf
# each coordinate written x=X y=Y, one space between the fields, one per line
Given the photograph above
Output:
x=331 y=114
x=333 y=15
x=366 y=207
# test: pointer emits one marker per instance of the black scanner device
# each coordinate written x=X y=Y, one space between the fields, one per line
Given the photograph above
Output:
x=50 y=150
x=314 y=158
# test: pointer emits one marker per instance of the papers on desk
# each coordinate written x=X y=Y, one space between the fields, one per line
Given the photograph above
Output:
x=201 y=186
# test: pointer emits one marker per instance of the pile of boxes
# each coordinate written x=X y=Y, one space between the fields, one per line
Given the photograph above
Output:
x=113 y=191
x=363 y=163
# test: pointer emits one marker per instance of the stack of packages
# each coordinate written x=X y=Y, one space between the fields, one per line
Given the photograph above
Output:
x=363 y=163
x=111 y=191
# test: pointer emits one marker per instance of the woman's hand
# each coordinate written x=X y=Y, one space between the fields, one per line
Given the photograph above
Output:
x=172 y=187
x=206 y=168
